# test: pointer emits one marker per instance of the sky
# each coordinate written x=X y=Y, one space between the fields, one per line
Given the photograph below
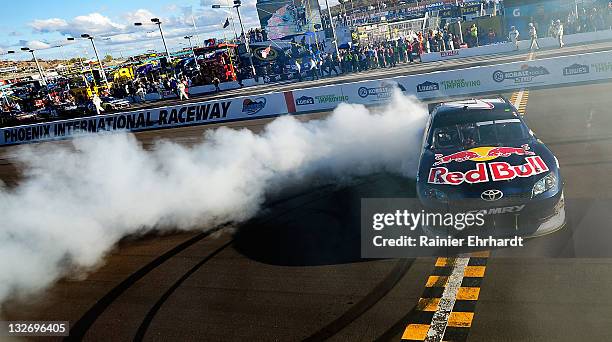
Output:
x=45 y=25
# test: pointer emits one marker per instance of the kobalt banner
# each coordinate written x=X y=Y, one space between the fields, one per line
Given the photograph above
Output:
x=502 y=77
x=180 y=115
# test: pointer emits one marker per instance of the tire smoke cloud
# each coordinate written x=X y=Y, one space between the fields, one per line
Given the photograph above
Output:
x=76 y=202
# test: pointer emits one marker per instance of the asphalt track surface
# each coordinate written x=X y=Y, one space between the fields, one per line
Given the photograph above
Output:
x=295 y=273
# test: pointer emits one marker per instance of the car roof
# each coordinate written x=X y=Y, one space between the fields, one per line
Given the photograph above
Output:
x=473 y=110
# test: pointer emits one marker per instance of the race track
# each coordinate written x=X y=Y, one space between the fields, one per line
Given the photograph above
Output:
x=295 y=272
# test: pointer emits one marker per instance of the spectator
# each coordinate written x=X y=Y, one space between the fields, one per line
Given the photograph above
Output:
x=514 y=36
x=313 y=68
x=552 y=29
x=182 y=93
x=492 y=37
x=97 y=102
x=559 y=33
x=140 y=93
x=331 y=65
x=533 y=34
x=298 y=70
x=215 y=82
x=448 y=40
x=474 y=34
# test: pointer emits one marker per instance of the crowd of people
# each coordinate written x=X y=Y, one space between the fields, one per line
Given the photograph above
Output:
x=257 y=35
x=137 y=89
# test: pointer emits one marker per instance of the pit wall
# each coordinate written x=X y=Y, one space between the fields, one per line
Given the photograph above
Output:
x=548 y=42
x=481 y=79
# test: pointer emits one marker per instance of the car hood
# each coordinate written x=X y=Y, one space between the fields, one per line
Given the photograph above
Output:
x=466 y=173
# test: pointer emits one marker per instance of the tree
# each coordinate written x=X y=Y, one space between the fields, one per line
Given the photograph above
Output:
x=108 y=58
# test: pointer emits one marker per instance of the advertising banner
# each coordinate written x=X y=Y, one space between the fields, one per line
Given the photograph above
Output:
x=320 y=98
x=242 y=108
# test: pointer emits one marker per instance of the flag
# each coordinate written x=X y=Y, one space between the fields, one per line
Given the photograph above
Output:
x=226 y=23
x=266 y=51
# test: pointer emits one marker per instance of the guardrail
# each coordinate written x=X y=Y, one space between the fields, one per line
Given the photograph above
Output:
x=545 y=72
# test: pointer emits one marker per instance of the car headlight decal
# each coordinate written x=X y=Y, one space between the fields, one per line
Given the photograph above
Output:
x=546 y=183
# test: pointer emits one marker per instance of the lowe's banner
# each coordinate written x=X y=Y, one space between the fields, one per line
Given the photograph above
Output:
x=242 y=108
x=502 y=77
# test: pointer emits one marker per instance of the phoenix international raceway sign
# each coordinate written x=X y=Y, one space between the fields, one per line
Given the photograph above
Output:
x=242 y=108
x=503 y=77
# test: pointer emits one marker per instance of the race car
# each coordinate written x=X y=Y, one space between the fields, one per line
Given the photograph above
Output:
x=479 y=156
x=110 y=103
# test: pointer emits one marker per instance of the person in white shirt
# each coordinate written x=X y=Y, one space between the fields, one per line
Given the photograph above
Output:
x=298 y=70
x=140 y=93
x=533 y=34
x=559 y=33
x=181 y=91
x=97 y=102
x=513 y=36
x=313 y=69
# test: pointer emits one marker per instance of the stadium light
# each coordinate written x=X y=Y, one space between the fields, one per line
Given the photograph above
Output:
x=40 y=72
x=90 y=37
x=331 y=23
x=158 y=22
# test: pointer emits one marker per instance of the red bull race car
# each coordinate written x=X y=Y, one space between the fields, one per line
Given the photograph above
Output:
x=479 y=156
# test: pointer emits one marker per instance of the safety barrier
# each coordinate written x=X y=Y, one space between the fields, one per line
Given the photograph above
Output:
x=471 y=52
x=548 y=42
x=537 y=73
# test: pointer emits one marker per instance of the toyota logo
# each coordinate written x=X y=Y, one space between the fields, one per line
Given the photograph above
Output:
x=491 y=195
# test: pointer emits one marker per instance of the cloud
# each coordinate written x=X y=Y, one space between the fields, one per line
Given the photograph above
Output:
x=34 y=44
x=49 y=25
x=177 y=21
x=139 y=16
x=93 y=23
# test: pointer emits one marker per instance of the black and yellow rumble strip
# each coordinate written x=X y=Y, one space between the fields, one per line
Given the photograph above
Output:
x=522 y=97
x=456 y=324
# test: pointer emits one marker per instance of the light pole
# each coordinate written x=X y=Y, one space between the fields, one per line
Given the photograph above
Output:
x=87 y=36
x=331 y=23
x=157 y=22
x=81 y=62
x=195 y=59
x=3 y=94
x=40 y=72
x=237 y=4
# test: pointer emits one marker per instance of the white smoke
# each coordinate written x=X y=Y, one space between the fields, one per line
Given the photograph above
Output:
x=75 y=203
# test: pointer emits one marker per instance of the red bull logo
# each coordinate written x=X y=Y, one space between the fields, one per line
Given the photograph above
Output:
x=483 y=154
x=497 y=171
